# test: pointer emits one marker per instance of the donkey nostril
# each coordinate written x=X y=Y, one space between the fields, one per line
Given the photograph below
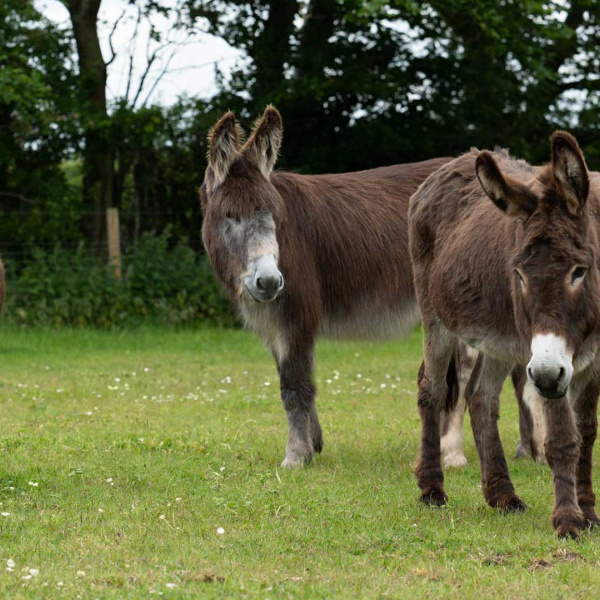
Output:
x=258 y=283
x=561 y=373
x=281 y=281
x=530 y=373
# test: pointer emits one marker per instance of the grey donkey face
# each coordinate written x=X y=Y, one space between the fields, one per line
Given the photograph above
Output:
x=241 y=207
x=253 y=241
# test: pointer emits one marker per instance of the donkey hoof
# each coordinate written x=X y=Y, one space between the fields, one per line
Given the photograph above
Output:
x=591 y=518
x=294 y=461
x=568 y=531
x=434 y=497
x=568 y=524
x=455 y=460
x=522 y=452
x=514 y=504
x=591 y=523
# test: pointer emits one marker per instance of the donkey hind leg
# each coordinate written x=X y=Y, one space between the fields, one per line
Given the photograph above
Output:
x=563 y=449
x=532 y=423
x=452 y=442
x=483 y=398
x=454 y=415
x=298 y=395
x=586 y=406
x=433 y=388
x=532 y=427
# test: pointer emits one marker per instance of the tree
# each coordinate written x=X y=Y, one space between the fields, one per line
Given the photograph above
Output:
x=38 y=128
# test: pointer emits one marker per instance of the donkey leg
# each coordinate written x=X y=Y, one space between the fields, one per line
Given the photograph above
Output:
x=562 y=447
x=524 y=448
x=438 y=347
x=298 y=395
x=532 y=425
x=586 y=405
x=452 y=442
x=483 y=397
x=453 y=428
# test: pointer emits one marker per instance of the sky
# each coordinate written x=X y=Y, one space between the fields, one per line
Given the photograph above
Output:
x=191 y=70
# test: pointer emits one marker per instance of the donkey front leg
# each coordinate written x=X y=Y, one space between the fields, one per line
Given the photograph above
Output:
x=483 y=398
x=562 y=448
x=298 y=395
x=586 y=406
x=437 y=349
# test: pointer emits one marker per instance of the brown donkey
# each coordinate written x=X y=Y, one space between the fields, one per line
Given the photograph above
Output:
x=302 y=256
x=517 y=278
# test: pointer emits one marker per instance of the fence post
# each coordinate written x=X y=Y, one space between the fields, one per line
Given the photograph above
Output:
x=114 y=240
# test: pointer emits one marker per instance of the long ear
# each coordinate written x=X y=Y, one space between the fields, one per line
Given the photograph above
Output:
x=570 y=171
x=224 y=145
x=508 y=194
x=265 y=141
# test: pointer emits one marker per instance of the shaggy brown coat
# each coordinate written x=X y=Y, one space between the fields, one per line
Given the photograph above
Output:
x=342 y=245
x=494 y=274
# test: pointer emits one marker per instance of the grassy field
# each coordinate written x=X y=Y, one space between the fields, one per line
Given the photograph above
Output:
x=146 y=464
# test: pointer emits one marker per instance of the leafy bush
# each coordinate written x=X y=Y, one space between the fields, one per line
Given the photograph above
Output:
x=174 y=286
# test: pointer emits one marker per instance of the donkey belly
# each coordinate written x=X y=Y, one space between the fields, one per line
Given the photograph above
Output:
x=367 y=321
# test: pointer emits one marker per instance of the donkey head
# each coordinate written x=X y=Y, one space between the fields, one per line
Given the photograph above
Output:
x=555 y=285
x=241 y=207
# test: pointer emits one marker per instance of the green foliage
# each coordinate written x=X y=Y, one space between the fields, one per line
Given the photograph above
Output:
x=74 y=287
x=38 y=128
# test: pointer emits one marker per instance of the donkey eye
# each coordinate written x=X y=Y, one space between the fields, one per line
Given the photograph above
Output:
x=578 y=273
x=519 y=276
x=231 y=216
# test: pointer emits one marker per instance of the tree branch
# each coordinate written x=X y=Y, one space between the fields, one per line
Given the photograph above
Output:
x=110 y=37
x=132 y=47
x=164 y=71
x=18 y=196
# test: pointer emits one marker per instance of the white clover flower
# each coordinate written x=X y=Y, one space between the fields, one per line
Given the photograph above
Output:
x=34 y=572
x=80 y=573
x=10 y=562
x=5 y=514
x=267 y=383
x=220 y=531
x=100 y=510
x=171 y=585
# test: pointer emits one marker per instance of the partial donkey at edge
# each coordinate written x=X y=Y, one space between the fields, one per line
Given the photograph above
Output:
x=515 y=274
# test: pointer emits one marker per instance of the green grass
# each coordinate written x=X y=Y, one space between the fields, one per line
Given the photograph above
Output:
x=142 y=447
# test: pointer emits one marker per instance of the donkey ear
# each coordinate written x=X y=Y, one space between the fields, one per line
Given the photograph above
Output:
x=224 y=144
x=263 y=145
x=570 y=171
x=509 y=195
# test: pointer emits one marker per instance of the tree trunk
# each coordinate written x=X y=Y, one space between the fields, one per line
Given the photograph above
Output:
x=98 y=182
x=272 y=49
x=313 y=55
